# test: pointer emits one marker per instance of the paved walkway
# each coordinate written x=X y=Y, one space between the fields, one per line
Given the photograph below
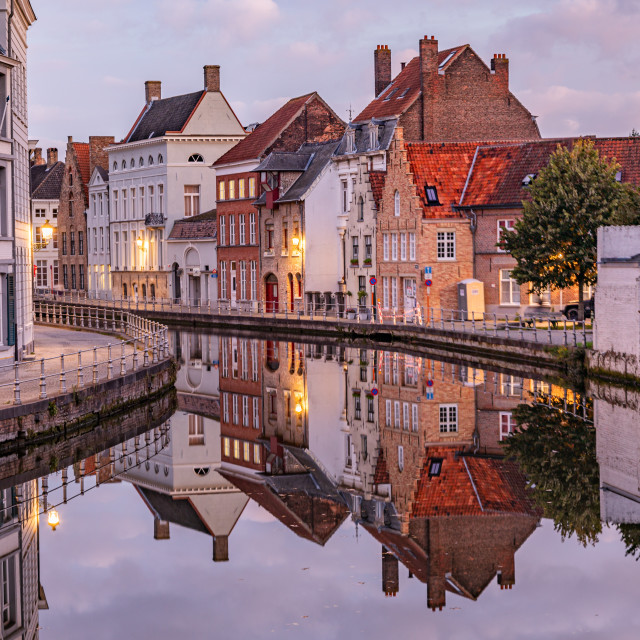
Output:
x=50 y=344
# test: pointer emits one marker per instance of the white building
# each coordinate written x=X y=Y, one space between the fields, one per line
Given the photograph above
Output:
x=162 y=173
x=16 y=259
x=98 y=254
x=46 y=183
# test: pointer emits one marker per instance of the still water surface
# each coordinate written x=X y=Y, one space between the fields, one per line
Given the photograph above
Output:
x=316 y=491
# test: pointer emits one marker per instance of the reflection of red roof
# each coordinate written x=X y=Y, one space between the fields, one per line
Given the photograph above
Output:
x=376 y=179
x=444 y=166
x=381 y=475
x=470 y=486
x=498 y=172
x=403 y=90
x=259 y=140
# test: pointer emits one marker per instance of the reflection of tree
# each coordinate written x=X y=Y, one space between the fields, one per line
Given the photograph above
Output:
x=557 y=452
x=630 y=535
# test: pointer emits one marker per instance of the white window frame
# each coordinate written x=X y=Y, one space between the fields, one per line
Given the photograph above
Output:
x=396 y=414
x=405 y=416
x=403 y=247
x=225 y=406
x=414 y=417
x=223 y=231
x=387 y=417
x=385 y=246
x=448 y=418
x=394 y=246
x=412 y=246
x=252 y=228
x=243 y=238
x=513 y=289
x=235 y=408
x=502 y=225
x=446 y=246
x=256 y=413
x=396 y=204
x=254 y=279
x=245 y=411
x=385 y=292
x=506 y=417
x=232 y=230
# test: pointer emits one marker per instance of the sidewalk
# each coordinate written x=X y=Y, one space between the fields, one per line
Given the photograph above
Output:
x=50 y=344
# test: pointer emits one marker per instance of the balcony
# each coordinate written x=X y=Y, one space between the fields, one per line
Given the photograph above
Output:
x=154 y=220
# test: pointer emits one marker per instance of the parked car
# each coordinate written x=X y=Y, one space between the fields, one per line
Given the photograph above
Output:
x=570 y=310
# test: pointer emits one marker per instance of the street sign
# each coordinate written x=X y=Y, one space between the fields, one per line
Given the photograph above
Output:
x=429 y=395
x=372 y=281
x=428 y=283
x=427 y=271
x=374 y=392
x=429 y=383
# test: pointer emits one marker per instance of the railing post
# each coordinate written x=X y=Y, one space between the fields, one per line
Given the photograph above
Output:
x=113 y=319
x=16 y=384
x=495 y=325
x=549 y=330
x=82 y=317
x=565 y=332
x=123 y=360
x=453 y=328
x=80 y=373
x=506 y=324
x=135 y=354
x=535 y=329
x=43 y=381
x=109 y=363
x=145 y=360
x=95 y=365
x=584 y=333
x=63 y=379
x=154 y=337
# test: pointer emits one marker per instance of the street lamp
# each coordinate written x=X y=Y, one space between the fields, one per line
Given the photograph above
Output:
x=46 y=232
x=295 y=241
x=53 y=519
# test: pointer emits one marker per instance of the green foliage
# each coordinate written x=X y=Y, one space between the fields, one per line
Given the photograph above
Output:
x=52 y=409
x=554 y=243
x=630 y=535
x=557 y=452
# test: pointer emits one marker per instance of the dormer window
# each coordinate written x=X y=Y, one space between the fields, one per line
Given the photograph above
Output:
x=618 y=176
x=196 y=157
x=373 y=136
x=390 y=94
x=403 y=94
x=351 y=140
x=435 y=467
x=528 y=179
x=431 y=194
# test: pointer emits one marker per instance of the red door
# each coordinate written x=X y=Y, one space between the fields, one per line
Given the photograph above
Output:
x=272 y=294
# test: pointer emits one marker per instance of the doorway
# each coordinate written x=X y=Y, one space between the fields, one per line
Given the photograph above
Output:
x=271 y=293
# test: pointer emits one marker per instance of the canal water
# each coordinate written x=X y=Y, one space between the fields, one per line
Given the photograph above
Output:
x=327 y=491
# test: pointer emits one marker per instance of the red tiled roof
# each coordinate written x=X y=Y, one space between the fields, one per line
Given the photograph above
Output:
x=407 y=86
x=381 y=475
x=470 y=486
x=82 y=154
x=376 y=180
x=497 y=174
x=444 y=166
x=259 y=140
x=199 y=230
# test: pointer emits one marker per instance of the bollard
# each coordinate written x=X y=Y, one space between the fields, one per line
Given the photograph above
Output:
x=80 y=373
x=43 y=381
x=109 y=363
x=95 y=365
x=63 y=379
x=16 y=384
x=123 y=359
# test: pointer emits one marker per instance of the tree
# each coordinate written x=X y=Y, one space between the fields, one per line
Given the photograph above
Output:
x=555 y=241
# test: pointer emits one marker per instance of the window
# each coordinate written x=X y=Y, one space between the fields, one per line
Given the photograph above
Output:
x=385 y=292
x=9 y=594
x=446 y=245
x=236 y=449
x=65 y=276
x=54 y=238
x=241 y=193
x=400 y=458
x=269 y=236
x=385 y=246
x=431 y=194
x=448 y=418
x=345 y=195
x=56 y=272
x=354 y=253
x=509 y=289
x=141 y=162
x=55 y=213
x=256 y=454
x=73 y=277
x=252 y=228
x=506 y=424
x=245 y=411
x=124 y=165
x=191 y=200
x=368 y=249
x=435 y=467
x=243 y=280
x=357 y=406
x=396 y=204
x=196 y=157
x=256 y=414
x=95 y=240
x=414 y=418
x=254 y=279
x=412 y=246
x=360 y=209
x=80 y=243
x=141 y=192
x=387 y=412
x=234 y=404
x=370 y=409
x=225 y=406
x=403 y=246
x=223 y=231
x=252 y=187
x=232 y=189
x=196 y=430
x=405 y=416
x=223 y=280
x=221 y=190
x=72 y=236
x=394 y=293
x=160 y=198
x=362 y=283
x=285 y=239
x=41 y=273
x=504 y=225
x=115 y=166
x=394 y=246
x=115 y=205
x=227 y=446
x=246 y=451
x=348 y=458
x=150 y=191
x=396 y=414
x=232 y=230
x=124 y=204
x=510 y=385
x=81 y=272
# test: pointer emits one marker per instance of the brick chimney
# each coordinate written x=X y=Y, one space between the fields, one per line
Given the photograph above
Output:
x=160 y=529
x=52 y=156
x=37 y=156
x=390 y=573
x=212 y=77
x=220 y=549
x=500 y=69
x=152 y=90
x=97 y=154
x=428 y=84
x=381 y=68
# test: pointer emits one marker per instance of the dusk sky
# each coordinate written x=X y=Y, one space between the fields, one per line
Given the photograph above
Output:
x=574 y=63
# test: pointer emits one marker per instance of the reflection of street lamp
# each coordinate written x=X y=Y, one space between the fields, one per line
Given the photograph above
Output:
x=53 y=519
x=46 y=232
x=295 y=242
x=298 y=407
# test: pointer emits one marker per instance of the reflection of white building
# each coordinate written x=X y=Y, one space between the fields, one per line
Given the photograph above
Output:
x=21 y=595
x=98 y=254
x=192 y=246
x=197 y=354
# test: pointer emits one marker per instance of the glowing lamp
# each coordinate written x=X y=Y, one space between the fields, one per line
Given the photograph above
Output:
x=139 y=243
x=298 y=408
x=53 y=519
x=47 y=231
x=295 y=241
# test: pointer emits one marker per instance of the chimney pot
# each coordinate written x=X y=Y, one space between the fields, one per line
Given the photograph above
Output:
x=381 y=68
x=52 y=156
x=212 y=77
x=70 y=139
x=152 y=90
x=402 y=65
x=433 y=37
x=37 y=156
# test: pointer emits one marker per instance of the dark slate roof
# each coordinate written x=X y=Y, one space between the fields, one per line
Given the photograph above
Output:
x=46 y=182
x=321 y=156
x=386 y=129
x=202 y=227
x=104 y=174
x=168 y=114
x=178 y=511
x=285 y=161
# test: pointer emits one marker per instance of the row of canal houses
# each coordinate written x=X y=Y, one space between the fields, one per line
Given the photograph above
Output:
x=306 y=210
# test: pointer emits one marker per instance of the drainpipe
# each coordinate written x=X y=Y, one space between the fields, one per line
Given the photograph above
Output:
x=473 y=218
x=13 y=203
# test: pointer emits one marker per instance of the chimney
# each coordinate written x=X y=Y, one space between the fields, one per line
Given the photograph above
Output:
x=212 y=77
x=152 y=90
x=390 y=574
x=507 y=571
x=37 y=156
x=500 y=69
x=381 y=68
x=97 y=153
x=402 y=66
x=220 y=549
x=69 y=139
x=160 y=529
x=428 y=84
x=52 y=156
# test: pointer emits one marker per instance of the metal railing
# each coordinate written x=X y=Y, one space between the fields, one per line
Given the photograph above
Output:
x=544 y=328
x=147 y=343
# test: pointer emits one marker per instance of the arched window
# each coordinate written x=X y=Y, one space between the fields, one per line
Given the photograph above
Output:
x=115 y=166
x=396 y=204
x=124 y=289
x=141 y=162
x=124 y=165
x=196 y=157
x=150 y=161
x=160 y=159
x=144 y=291
x=152 y=288
x=360 y=209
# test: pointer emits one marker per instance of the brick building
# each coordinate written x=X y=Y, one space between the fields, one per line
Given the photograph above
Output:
x=80 y=161
x=303 y=119
x=449 y=95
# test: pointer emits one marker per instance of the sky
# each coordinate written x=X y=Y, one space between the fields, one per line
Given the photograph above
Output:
x=573 y=63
